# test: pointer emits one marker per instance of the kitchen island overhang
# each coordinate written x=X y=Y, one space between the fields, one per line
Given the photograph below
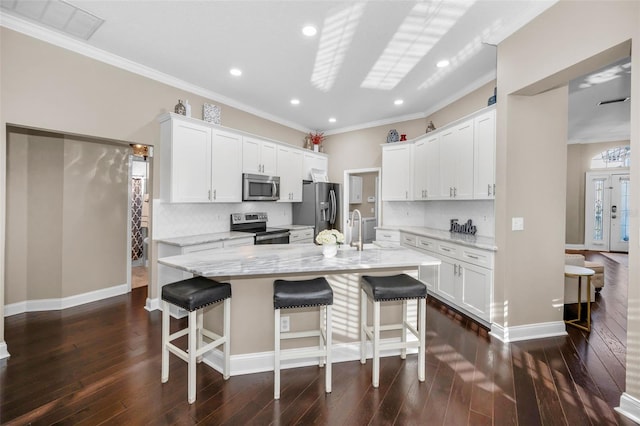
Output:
x=251 y=271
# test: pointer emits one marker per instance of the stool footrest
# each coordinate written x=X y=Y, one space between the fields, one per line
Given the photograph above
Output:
x=299 y=334
x=179 y=333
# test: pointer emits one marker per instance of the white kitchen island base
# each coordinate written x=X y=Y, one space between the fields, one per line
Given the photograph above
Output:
x=251 y=272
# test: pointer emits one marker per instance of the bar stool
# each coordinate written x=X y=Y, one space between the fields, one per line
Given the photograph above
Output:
x=382 y=289
x=298 y=294
x=193 y=295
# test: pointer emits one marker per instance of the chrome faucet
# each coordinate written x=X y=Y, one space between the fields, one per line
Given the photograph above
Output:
x=358 y=244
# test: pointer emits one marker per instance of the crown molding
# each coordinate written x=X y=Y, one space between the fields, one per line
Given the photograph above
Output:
x=58 y=39
x=487 y=78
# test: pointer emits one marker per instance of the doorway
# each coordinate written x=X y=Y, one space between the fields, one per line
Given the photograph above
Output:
x=139 y=218
x=361 y=192
x=607 y=211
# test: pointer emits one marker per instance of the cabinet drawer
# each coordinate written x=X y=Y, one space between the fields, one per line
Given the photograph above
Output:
x=425 y=243
x=239 y=242
x=408 y=240
x=386 y=235
x=477 y=257
x=447 y=249
x=304 y=236
x=201 y=247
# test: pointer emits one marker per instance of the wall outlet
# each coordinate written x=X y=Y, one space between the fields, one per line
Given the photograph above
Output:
x=285 y=325
x=517 y=224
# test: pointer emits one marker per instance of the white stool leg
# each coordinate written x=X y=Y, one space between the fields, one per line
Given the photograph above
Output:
x=422 y=325
x=227 y=338
x=403 y=337
x=363 y=327
x=276 y=355
x=193 y=340
x=321 y=340
x=376 y=344
x=328 y=331
x=200 y=339
x=165 y=340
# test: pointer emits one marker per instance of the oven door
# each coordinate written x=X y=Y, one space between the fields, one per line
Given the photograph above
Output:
x=279 y=238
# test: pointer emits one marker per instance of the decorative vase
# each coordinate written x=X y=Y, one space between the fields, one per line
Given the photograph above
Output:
x=316 y=147
x=329 y=249
x=180 y=108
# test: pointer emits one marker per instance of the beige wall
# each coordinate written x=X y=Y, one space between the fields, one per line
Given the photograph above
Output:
x=66 y=216
x=578 y=163
x=541 y=56
x=360 y=149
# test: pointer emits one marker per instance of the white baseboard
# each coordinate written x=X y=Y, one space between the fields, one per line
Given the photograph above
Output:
x=629 y=407
x=260 y=362
x=574 y=247
x=4 y=352
x=529 y=331
x=65 y=302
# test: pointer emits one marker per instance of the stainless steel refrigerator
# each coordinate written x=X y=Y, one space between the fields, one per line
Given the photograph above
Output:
x=320 y=206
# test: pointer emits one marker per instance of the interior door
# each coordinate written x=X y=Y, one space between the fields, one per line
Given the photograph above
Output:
x=619 y=213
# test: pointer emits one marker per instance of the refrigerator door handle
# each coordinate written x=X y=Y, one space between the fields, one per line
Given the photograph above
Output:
x=332 y=195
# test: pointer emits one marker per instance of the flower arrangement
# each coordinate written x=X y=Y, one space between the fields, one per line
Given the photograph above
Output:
x=329 y=236
x=316 y=138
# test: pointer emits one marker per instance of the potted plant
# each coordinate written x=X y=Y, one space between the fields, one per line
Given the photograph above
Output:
x=316 y=139
x=329 y=239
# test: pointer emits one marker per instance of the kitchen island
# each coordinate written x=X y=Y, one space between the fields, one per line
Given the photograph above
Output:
x=251 y=271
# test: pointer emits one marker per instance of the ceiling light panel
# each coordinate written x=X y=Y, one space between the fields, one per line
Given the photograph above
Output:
x=56 y=14
x=423 y=27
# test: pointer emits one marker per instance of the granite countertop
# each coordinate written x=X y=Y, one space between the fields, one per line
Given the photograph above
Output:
x=192 y=240
x=281 y=259
x=475 y=241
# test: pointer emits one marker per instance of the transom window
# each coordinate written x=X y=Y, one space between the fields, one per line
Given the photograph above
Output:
x=612 y=158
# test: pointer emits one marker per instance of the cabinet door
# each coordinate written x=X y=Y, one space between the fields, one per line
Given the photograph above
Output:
x=355 y=189
x=226 y=167
x=448 y=283
x=268 y=156
x=476 y=290
x=314 y=161
x=251 y=156
x=447 y=163
x=432 y=166
x=397 y=173
x=464 y=161
x=420 y=170
x=290 y=172
x=484 y=152
x=191 y=163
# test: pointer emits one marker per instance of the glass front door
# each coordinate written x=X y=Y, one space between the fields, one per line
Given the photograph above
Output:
x=607 y=211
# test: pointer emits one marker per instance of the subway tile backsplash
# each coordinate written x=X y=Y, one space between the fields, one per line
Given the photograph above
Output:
x=180 y=220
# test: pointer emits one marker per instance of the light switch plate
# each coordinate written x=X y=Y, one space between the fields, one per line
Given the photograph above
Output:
x=517 y=224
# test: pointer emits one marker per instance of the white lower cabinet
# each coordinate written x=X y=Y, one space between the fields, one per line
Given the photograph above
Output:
x=301 y=236
x=466 y=275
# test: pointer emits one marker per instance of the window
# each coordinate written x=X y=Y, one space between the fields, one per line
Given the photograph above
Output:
x=612 y=158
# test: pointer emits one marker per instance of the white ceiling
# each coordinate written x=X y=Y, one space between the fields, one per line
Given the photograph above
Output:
x=365 y=55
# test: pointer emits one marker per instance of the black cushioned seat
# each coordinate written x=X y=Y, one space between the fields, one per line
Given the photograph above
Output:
x=195 y=293
x=303 y=293
x=395 y=287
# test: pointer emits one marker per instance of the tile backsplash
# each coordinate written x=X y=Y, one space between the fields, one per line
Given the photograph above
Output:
x=437 y=214
x=180 y=220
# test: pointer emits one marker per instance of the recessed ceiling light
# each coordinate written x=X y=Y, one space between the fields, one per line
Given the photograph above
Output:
x=443 y=63
x=309 y=30
x=237 y=72
x=295 y=101
x=332 y=120
x=398 y=102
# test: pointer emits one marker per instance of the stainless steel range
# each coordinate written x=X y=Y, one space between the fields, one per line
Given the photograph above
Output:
x=256 y=223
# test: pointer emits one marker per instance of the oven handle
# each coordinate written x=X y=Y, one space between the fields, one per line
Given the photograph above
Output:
x=272 y=236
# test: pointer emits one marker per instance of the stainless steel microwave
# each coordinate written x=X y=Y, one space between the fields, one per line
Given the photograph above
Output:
x=260 y=187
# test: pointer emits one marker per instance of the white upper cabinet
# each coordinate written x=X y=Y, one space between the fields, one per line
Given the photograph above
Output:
x=258 y=156
x=484 y=151
x=426 y=175
x=290 y=171
x=420 y=170
x=226 y=167
x=355 y=189
x=456 y=161
x=185 y=162
x=397 y=172
x=312 y=161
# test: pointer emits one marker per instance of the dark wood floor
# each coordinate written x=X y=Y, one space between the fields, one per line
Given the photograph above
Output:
x=100 y=363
